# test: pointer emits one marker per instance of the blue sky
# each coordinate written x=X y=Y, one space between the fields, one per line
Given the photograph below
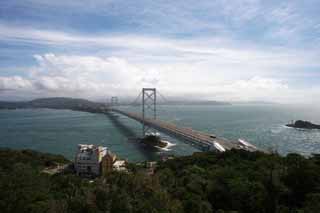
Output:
x=211 y=49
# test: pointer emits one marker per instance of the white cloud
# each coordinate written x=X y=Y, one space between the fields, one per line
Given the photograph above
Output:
x=240 y=10
x=135 y=47
x=98 y=78
x=14 y=83
x=288 y=22
x=255 y=88
x=215 y=68
x=83 y=75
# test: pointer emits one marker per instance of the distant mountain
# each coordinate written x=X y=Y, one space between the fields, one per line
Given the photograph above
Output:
x=62 y=103
x=13 y=105
x=253 y=102
x=82 y=104
x=54 y=103
x=194 y=102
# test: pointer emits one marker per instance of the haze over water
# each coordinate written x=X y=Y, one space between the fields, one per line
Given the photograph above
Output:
x=59 y=131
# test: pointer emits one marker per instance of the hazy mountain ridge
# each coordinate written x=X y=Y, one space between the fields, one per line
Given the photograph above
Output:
x=195 y=102
x=75 y=103
x=254 y=102
x=55 y=103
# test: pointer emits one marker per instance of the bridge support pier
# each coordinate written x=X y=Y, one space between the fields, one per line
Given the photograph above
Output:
x=114 y=102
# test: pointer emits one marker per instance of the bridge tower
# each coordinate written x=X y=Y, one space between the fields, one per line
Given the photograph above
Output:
x=149 y=104
x=114 y=102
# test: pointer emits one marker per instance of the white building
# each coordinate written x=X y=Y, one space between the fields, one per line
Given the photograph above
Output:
x=119 y=165
x=88 y=159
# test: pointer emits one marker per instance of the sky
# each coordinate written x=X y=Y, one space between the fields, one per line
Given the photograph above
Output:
x=239 y=50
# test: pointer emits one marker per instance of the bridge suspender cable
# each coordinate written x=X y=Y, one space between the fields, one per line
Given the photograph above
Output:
x=136 y=100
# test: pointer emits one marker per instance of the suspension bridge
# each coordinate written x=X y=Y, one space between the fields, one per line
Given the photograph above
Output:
x=148 y=118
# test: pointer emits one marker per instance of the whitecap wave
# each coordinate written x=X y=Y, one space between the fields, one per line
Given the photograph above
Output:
x=166 y=148
x=278 y=129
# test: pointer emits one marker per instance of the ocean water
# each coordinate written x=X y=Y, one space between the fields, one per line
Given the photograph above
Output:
x=59 y=131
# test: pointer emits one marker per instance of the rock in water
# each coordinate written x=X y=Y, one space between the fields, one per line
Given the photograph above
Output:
x=153 y=140
x=303 y=125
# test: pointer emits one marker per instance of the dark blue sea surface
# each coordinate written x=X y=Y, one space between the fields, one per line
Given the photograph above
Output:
x=59 y=131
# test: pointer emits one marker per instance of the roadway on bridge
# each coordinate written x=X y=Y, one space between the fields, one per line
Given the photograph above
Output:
x=201 y=139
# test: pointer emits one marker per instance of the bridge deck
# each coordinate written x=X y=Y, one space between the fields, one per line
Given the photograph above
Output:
x=204 y=140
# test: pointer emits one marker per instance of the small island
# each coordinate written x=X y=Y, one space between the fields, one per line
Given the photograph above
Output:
x=154 y=141
x=303 y=125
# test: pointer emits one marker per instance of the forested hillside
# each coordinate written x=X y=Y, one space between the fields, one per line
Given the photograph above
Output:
x=235 y=181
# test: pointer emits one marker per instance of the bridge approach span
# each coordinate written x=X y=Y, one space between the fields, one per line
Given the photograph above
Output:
x=204 y=141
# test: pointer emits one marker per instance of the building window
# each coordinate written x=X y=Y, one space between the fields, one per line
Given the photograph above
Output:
x=89 y=169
